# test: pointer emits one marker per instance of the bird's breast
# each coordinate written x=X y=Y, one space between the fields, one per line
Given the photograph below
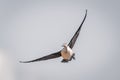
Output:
x=66 y=54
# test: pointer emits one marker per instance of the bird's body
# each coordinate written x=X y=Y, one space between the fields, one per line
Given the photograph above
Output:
x=66 y=53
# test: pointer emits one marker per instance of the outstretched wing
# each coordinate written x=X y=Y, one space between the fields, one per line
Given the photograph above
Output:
x=74 y=38
x=51 y=56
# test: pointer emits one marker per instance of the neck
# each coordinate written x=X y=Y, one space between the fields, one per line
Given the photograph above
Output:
x=65 y=47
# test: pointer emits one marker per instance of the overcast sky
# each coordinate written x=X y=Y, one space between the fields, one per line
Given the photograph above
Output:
x=30 y=29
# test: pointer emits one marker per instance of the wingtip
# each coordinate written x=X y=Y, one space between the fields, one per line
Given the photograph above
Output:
x=86 y=11
x=22 y=62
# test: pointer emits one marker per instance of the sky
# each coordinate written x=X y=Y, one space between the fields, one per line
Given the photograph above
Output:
x=30 y=29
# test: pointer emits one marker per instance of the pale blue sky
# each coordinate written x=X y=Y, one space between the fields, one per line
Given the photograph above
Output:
x=30 y=29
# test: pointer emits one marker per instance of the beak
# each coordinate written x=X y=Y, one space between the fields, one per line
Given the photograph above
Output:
x=65 y=44
x=62 y=46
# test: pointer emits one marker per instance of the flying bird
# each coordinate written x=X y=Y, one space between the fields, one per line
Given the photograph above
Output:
x=66 y=53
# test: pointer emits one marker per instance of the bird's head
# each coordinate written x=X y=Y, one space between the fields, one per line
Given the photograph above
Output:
x=64 y=45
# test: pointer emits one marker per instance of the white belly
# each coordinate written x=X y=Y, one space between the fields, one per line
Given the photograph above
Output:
x=67 y=54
